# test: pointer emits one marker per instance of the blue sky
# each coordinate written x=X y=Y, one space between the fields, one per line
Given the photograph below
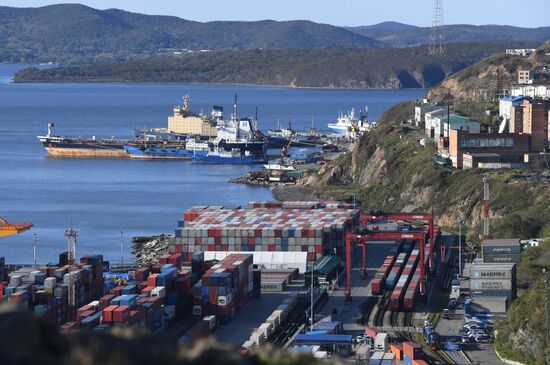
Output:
x=337 y=12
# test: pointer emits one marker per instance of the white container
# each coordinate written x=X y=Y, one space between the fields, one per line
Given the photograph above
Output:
x=266 y=329
x=16 y=280
x=158 y=291
x=49 y=283
x=381 y=341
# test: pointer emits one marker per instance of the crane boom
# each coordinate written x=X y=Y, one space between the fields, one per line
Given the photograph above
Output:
x=8 y=229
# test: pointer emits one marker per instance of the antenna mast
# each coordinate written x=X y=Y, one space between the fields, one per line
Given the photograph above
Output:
x=486 y=209
x=437 y=44
x=71 y=235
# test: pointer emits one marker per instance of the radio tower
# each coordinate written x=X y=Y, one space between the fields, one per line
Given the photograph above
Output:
x=71 y=235
x=486 y=209
x=437 y=44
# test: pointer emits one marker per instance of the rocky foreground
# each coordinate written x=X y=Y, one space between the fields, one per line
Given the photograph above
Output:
x=28 y=339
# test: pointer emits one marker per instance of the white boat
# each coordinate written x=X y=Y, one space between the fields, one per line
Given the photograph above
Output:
x=348 y=124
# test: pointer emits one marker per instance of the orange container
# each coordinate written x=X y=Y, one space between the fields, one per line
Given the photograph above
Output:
x=108 y=313
x=419 y=362
x=412 y=350
x=397 y=349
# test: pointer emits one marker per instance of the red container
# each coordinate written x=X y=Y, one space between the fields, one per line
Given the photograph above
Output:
x=84 y=312
x=147 y=290
x=164 y=259
x=142 y=286
x=142 y=273
x=371 y=332
x=105 y=301
x=156 y=268
x=108 y=313
x=121 y=314
x=117 y=290
x=69 y=326
x=175 y=259
x=152 y=280
x=412 y=350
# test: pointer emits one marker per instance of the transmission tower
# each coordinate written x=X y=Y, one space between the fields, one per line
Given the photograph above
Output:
x=486 y=209
x=437 y=44
x=71 y=235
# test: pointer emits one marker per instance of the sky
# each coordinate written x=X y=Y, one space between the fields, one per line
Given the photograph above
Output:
x=336 y=12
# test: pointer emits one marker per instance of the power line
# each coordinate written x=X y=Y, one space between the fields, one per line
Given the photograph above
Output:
x=437 y=44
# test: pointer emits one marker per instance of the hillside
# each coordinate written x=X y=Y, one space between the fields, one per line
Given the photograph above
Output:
x=403 y=35
x=337 y=67
x=77 y=34
x=486 y=79
x=71 y=33
x=390 y=170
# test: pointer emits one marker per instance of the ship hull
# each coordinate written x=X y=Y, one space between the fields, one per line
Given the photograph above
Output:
x=158 y=153
x=226 y=160
x=86 y=152
x=338 y=129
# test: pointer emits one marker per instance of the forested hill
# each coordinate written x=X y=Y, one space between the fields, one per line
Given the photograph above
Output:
x=72 y=33
x=335 y=68
x=394 y=34
x=77 y=34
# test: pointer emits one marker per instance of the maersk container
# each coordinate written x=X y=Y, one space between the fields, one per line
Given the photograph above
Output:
x=491 y=284
x=502 y=259
x=493 y=271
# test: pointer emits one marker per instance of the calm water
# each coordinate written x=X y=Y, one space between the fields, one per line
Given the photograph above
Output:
x=103 y=197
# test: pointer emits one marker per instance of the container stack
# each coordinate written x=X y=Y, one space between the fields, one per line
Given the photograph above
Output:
x=493 y=280
x=412 y=354
x=45 y=290
x=157 y=297
x=501 y=251
x=225 y=288
x=272 y=226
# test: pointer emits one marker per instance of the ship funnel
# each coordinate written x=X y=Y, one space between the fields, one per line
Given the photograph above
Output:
x=50 y=126
x=186 y=103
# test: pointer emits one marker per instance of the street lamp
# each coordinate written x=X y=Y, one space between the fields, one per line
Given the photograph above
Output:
x=311 y=299
x=460 y=249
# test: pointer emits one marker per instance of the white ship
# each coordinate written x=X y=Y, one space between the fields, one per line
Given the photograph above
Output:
x=348 y=124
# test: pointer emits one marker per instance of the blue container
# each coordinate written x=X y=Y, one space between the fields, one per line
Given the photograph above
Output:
x=407 y=360
x=129 y=289
x=166 y=267
x=91 y=319
x=173 y=298
x=128 y=299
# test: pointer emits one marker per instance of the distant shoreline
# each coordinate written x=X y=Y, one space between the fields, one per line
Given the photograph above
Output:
x=113 y=82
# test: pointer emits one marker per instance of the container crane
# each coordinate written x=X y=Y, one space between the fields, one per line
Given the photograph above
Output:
x=9 y=229
x=362 y=240
x=425 y=217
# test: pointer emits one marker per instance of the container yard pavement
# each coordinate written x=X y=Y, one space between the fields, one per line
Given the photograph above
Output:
x=478 y=353
x=348 y=313
x=249 y=317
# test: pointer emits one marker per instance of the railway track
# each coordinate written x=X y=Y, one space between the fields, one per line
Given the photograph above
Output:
x=443 y=357
x=381 y=310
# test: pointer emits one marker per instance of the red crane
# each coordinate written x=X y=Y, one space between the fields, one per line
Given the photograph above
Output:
x=385 y=235
x=426 y=217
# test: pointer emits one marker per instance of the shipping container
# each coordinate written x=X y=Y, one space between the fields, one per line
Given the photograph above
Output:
x=491 y=284
x=502 y=258
x=412 y=350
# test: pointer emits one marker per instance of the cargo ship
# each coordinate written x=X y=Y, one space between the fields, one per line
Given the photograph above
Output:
x=59 y=146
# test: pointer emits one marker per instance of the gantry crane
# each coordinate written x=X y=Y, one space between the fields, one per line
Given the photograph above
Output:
x=8 y=229
x=425 y=217
x=363 y=238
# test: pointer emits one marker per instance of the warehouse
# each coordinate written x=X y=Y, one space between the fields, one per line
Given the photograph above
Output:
x=315 y=228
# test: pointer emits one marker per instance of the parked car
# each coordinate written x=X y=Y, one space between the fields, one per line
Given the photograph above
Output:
x=483 y=339
x=446 y=313
x=465 y=339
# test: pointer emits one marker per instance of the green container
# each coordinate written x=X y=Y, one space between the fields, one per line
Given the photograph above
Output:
x=501 y=259
x=501 y=249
